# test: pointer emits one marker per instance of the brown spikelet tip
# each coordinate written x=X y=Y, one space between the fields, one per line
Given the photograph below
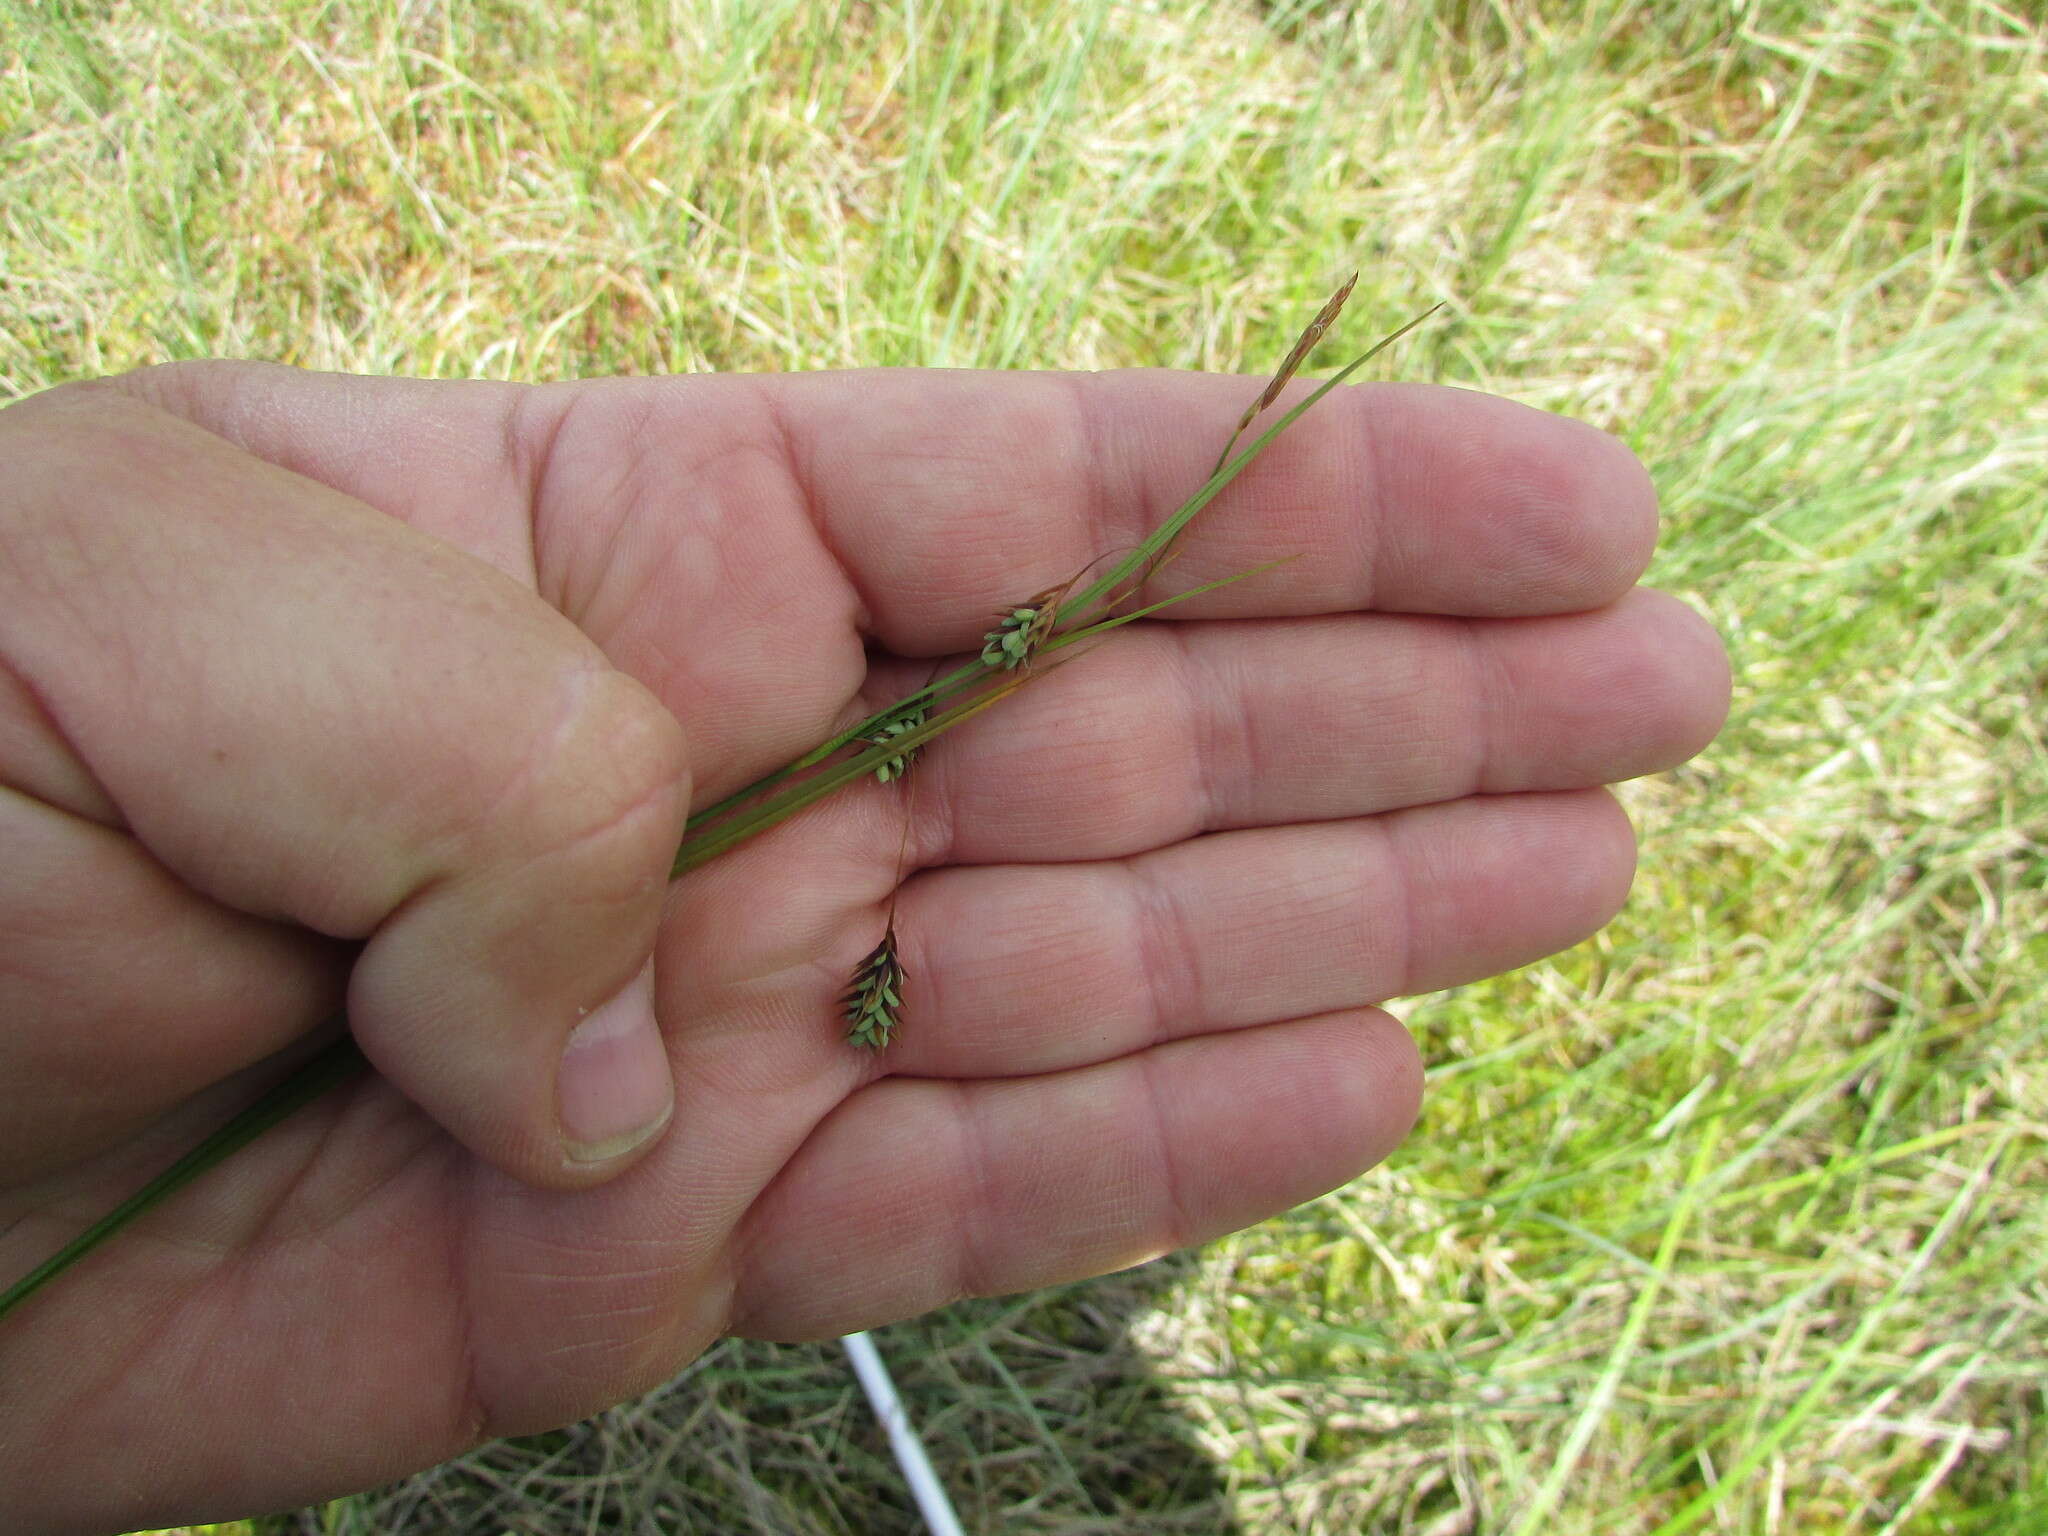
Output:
x=1305 y=344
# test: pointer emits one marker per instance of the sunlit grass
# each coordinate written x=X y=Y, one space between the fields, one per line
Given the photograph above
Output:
x=1731 y=1220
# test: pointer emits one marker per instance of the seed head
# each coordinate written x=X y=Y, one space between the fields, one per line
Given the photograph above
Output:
x=1020 y=631
x=895 y=767
x=875 y=994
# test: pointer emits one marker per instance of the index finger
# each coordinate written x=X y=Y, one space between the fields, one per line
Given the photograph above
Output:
x=943 y=495
x=948 y=495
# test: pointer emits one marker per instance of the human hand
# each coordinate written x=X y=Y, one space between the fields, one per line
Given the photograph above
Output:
x=261 y=736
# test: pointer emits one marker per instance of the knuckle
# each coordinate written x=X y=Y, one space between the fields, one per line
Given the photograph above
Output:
x=606 y=790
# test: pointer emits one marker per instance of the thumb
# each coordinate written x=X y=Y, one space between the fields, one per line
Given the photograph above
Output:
x=306 y=710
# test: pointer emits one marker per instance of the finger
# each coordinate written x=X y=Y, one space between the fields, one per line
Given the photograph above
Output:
x=727 y=539
x=918 y=1192
x=310 y=713
x=1165 y=732
x=949 y=495
x=109 y=959
x=1019 y=969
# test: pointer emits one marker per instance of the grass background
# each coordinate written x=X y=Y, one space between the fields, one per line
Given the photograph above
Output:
x=1731 y=1220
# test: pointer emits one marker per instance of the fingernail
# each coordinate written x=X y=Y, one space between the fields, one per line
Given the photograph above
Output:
x=613 y=1091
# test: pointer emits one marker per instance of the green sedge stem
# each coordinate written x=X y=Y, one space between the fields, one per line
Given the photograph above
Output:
x=946 y=687
x=707 y=845
x=940 y=688
x=1146 y=554
x=343 y=1059
x=1068 y=637
x=334 y=1065
x=1155 y=544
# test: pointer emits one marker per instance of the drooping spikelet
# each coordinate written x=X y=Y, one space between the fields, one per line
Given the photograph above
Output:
x=875 y=994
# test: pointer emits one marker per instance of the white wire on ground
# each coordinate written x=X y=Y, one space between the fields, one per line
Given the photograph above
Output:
x=925 y=1486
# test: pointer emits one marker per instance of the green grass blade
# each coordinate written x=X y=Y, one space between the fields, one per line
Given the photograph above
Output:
x=1845 y=1354
x=1594 y=1413
x=334 y=1065
x=1147 y=554
x=706 y=846
x=1156 y=543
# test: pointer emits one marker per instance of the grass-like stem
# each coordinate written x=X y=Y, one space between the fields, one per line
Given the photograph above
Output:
x=1098 y=596
x=335 y=1064
x=727 y=834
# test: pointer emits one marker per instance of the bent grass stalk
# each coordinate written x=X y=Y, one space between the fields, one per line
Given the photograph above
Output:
x=1102 y=595
x=891 y=738
x=879 y=982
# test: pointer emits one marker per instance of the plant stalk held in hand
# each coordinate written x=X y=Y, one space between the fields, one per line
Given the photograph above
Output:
x=1024 y=645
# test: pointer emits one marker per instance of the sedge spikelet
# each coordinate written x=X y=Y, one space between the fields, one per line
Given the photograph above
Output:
x=888 y=731
x=1020 y=631
x=874 y=995
x=1298 y=354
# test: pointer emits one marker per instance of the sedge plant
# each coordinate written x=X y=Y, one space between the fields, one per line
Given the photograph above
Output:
x=1026 y=641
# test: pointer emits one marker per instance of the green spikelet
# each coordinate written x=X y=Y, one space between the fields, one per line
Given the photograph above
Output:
x=888 y=731
x=1020 y=631
x=875 y=994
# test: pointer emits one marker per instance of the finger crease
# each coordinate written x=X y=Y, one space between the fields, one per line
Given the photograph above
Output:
x=1491 y=702
x=1397 y=914
x=1179 y=1229
x=971 y=1273
x=531 y=445
x=783 y=448
x=1168 y=963
x=1198 y=711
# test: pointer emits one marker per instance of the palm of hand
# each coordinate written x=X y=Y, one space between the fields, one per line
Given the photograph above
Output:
x=1149 y=899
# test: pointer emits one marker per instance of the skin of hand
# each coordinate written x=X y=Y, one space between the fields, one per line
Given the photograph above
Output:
x=318 y=689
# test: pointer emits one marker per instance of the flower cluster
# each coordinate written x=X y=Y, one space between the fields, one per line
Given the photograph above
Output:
x=895 y=767
x=871 y=1002
x=1017 y=635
